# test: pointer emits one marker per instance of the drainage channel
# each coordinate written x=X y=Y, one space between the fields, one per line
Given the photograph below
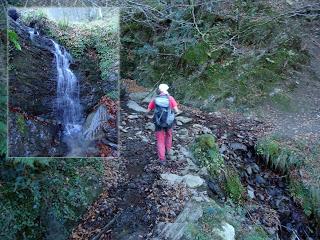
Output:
x=269 y=190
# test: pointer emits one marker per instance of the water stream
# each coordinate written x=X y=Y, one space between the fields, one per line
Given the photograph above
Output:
x=68 y=107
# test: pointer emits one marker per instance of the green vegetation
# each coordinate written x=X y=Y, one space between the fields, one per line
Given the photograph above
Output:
x=96 y=39
x=40 y=197
x=14 y=38
x=308 y=198
x=241 y=52
x=207 y=154
x=257 y=233
x=21 y=124
x=233 y=186
x=278 y=154
x=300 y=162
x=215 y=215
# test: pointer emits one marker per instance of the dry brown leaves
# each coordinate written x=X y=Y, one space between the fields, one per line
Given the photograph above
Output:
x=104 y=150
x=169 y=199
x=111 y=105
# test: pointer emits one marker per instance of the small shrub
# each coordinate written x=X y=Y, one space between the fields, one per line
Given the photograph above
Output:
x=207 y=154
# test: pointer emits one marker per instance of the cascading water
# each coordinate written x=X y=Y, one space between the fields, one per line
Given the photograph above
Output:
x=68 y=107
x=68 y=92
x=78 y=132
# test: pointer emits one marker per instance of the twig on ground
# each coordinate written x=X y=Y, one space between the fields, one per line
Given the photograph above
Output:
x=106 y=227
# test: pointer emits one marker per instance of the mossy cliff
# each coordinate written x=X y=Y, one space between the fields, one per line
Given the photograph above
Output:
x=218 y=54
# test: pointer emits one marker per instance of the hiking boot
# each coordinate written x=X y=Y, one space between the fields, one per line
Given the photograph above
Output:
x=162 y=162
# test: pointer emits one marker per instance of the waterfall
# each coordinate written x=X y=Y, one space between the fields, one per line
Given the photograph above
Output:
x=68 y=107
x=78 y=132
x=68 y=92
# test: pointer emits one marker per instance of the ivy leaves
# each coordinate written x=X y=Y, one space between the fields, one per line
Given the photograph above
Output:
x=14 y=38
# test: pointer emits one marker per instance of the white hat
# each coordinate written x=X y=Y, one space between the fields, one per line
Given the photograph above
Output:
x=163 y=88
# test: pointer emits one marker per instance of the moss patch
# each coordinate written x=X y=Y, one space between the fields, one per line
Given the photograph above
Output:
x=233 y=185
x=21 y=123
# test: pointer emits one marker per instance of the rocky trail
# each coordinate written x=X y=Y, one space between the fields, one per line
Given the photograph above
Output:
x=144 y=200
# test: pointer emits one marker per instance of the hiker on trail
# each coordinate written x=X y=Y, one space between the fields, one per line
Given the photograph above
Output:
x=164 y=107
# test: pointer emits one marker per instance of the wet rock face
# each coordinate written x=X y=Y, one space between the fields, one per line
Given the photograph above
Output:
x=33 y=138
x=88 y=73
x=92 y=87
x=32 y=84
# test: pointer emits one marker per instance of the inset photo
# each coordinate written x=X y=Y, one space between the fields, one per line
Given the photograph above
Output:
x=63 y=84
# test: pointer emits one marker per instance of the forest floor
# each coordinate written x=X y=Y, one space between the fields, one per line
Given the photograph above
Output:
x=302 y=121
x=144 y=200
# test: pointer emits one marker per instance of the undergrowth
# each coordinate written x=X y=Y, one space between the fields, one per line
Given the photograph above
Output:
x=207 y=154
x=99 y=36
x=300 y=162
x=43 y=198
x=238 y=61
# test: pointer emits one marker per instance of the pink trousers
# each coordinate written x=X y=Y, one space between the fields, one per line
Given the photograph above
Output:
x=164 y=142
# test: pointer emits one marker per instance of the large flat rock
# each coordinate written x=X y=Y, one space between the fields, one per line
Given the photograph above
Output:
x=191 y=181
x=135 y=106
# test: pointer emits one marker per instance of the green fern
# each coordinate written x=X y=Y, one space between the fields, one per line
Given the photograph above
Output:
x=278 y=155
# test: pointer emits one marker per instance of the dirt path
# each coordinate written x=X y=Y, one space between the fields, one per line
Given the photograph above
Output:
x=128 y=201
x=136 y=198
